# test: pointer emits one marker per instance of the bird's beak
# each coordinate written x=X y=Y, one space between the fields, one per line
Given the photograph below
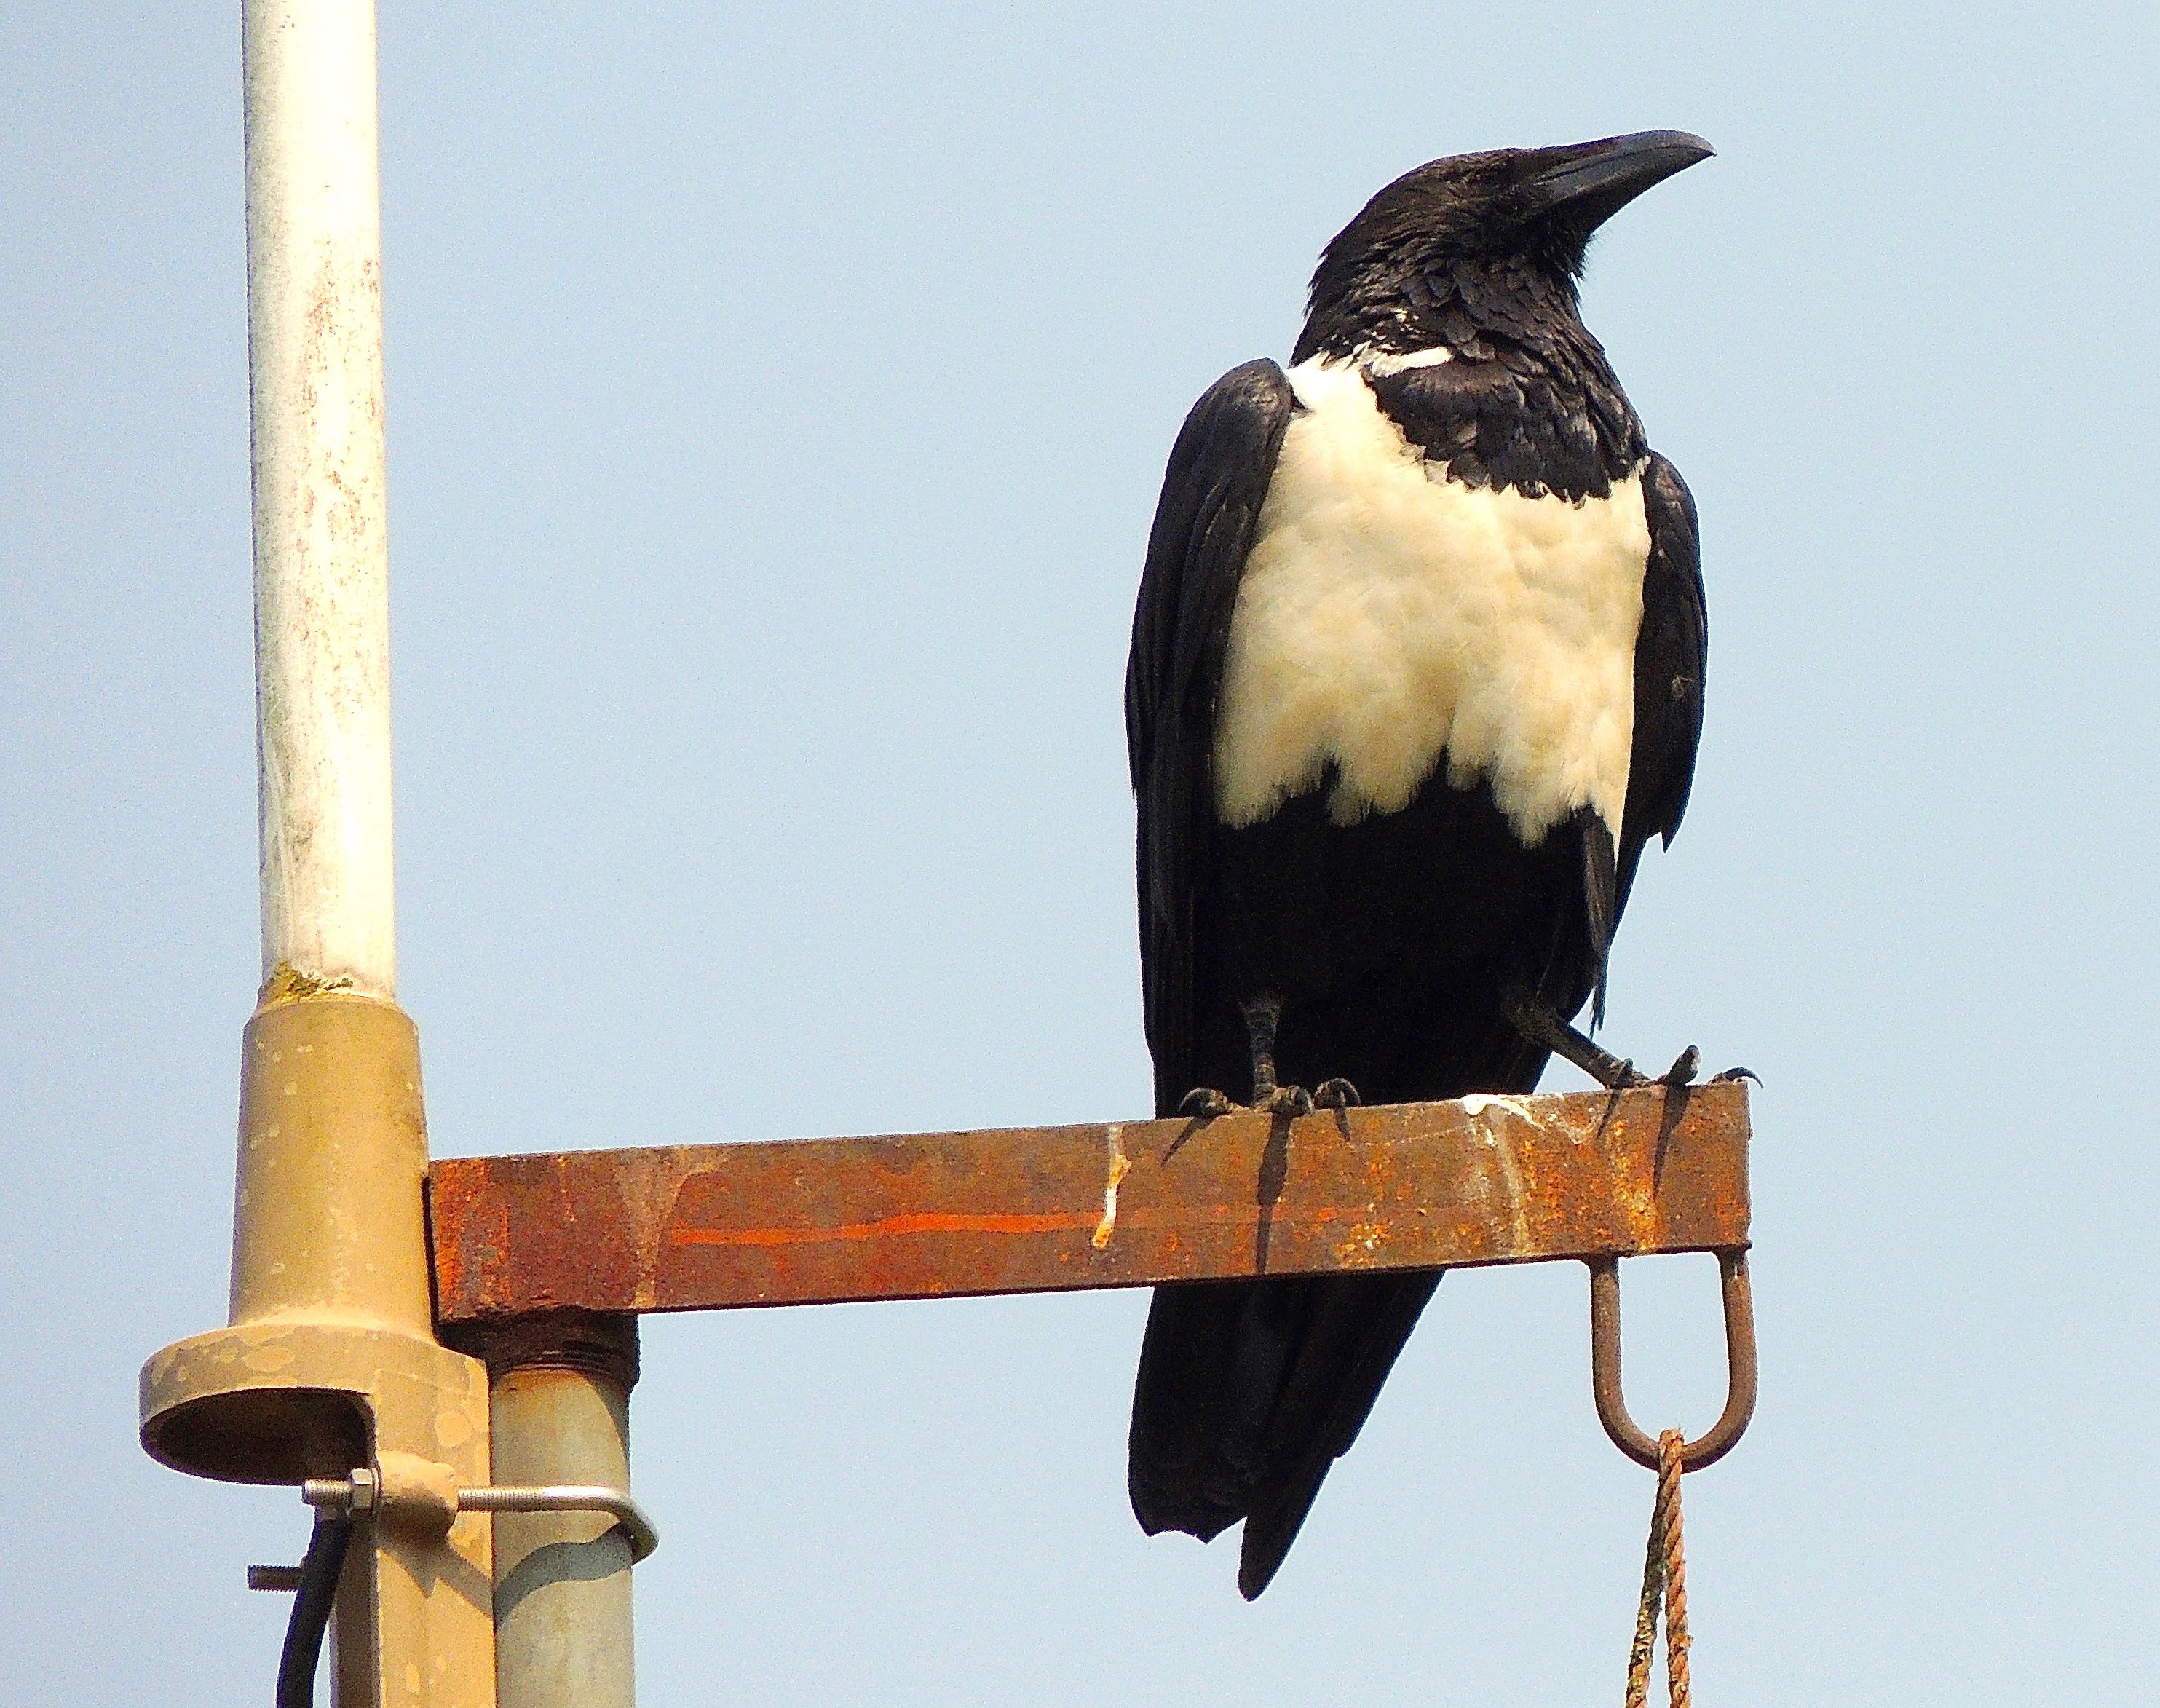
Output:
x=1591 y=182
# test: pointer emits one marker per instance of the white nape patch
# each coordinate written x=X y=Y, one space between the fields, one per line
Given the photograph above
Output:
x=1390 y=615
x=1385 y=365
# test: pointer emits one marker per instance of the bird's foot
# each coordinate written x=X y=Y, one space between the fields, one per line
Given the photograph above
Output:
x=1538 y=1023
x=1682 y=1072
x=1292 y=1100
x=1615 y=1073
x=1262 y=1014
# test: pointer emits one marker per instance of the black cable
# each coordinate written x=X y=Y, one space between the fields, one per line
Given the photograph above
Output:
x=319 y=1569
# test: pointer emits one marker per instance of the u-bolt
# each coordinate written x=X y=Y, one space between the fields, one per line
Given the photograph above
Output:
x=1739 y=1365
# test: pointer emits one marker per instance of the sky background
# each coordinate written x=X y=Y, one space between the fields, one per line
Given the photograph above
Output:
x=777 y=402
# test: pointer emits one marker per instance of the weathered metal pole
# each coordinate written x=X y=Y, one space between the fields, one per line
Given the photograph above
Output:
x=559 y=1387
x=330 y=1362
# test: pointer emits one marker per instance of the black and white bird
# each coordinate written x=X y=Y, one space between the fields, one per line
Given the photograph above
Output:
x=1417 y=671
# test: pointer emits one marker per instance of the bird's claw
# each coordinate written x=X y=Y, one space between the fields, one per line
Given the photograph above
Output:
x=1684 y=1067
x=1206 y=1103
x=1627 y=1076
x=1336 y=1094
x=1732 y=1076
x=1291 y=1100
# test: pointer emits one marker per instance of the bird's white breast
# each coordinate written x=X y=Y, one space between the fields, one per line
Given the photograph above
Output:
x=1388 y=616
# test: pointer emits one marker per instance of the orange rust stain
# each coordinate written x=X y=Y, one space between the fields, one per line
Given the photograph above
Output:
x=918 y=1222
x=947 y=1221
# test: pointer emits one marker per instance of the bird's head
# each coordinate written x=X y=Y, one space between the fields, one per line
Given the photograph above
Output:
x=1473 y=211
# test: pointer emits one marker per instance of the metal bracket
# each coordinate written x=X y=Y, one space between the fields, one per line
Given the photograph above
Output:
x=568 y=1497
x=364 y=1491
x=1739 y=1365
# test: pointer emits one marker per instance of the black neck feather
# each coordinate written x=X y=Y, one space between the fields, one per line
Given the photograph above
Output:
x=1526 y=398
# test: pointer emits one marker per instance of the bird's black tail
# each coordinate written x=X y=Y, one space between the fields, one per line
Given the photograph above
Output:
x=1248 y=1391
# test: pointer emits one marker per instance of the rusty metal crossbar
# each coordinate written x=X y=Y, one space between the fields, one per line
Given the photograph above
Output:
x=1485 y=1179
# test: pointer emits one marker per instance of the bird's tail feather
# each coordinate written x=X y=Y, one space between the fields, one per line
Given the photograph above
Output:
x=1249 y=1391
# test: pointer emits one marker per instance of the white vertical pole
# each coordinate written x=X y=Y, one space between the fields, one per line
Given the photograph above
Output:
x=322 y=606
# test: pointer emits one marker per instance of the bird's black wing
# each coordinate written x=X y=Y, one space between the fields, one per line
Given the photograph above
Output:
x=1247 y=1391
x=1672 y=650
x=1204 y=527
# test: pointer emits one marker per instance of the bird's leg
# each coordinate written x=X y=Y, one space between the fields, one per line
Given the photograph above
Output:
x=1537 y=1021
x=1263 y=1014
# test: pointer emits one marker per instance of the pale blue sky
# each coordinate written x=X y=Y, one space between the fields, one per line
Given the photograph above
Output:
x=777 y=407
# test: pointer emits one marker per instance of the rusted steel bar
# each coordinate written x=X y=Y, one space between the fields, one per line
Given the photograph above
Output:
x=1486 y=1180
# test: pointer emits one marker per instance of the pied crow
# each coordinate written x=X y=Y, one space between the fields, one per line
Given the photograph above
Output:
x=1416 y=673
